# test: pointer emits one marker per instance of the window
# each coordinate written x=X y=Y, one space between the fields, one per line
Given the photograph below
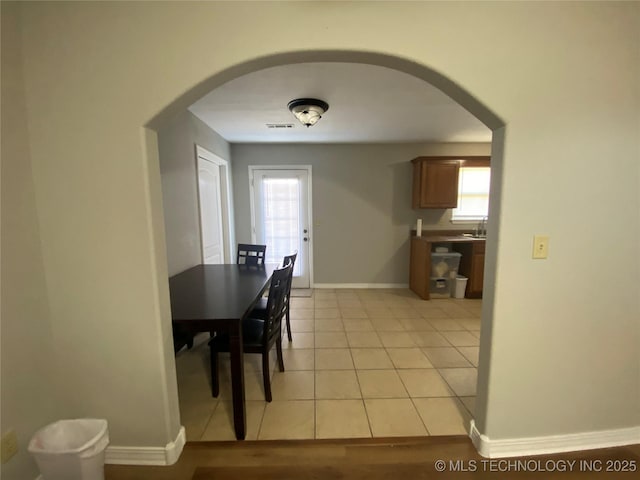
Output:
x=281 y=217
x=473 y=194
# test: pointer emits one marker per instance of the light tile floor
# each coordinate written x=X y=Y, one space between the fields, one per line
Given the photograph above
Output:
x=363 y=363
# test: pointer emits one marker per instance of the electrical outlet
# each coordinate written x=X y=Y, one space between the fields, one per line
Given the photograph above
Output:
x=9 y=446
x=540 y=246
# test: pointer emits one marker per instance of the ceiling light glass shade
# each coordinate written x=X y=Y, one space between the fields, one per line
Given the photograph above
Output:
x=308 y=110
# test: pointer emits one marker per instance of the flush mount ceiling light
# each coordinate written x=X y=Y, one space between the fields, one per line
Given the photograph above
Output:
x=308 y=110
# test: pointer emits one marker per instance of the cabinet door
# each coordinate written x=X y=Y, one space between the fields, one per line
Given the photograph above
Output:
x=438 y=184
x=477 y=275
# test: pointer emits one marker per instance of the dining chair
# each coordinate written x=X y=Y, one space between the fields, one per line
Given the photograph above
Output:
x=249 y=254
x=260 y=310
x=258 y=335
x=181 y=337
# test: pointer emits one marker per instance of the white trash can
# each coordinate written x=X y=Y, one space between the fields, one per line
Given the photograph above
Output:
x=71 y=449
x=461 y=286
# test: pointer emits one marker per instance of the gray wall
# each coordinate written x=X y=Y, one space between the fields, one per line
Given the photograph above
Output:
x=176 y=144
x=361 y=204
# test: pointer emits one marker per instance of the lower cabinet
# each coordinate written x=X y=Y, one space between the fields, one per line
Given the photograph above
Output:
x=472 y=266
x=420 y=266
x=476 y=275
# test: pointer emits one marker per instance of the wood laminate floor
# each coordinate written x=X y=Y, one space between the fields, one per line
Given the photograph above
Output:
x=376 y=459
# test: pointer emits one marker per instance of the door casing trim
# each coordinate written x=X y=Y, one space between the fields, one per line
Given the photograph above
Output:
x=309 y=170
x=228 y=236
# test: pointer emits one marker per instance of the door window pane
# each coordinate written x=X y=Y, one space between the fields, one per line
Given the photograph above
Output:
x=281 y=214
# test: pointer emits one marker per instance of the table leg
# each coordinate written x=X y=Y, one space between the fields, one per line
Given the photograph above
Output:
x=237 y=381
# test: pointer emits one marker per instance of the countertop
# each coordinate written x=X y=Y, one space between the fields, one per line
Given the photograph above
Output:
x=448 y=238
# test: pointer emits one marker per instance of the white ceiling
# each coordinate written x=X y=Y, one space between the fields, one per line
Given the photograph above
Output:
x=367 y=103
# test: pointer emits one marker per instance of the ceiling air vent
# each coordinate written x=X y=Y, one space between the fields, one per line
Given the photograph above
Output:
x=279 y=125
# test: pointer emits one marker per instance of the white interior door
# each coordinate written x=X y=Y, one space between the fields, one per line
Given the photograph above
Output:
x=209 y=190
x=281 y=216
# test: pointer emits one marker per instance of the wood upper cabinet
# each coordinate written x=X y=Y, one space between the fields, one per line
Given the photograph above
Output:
x=435 y=182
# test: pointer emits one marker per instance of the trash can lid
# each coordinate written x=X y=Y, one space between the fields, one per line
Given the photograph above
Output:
x=68 y=436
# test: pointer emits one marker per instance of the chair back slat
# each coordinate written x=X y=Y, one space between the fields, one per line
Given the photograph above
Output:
x=276 y=307
x=249 y=254
x=289 y=259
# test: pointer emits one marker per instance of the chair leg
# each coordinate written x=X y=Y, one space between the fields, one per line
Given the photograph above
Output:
x=288 y=325
x=279 y=353
x=215 y=382
x=265 y=375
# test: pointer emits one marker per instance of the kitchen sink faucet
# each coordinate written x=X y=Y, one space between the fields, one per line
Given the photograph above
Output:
x=481 y=228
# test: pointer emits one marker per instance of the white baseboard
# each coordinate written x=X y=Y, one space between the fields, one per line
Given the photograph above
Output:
x=360 y=285
x=572 y=442
x=167 y=455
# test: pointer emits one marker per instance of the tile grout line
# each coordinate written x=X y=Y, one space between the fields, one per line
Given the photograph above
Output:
x=421 y=419
x=217 y=405
x=363 y=305
x=315 y=400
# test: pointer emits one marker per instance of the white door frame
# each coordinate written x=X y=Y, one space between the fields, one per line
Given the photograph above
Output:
x=308 y=169
x=226 y=205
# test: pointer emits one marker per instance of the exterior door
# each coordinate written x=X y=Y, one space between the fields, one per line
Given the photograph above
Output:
x=281 y=216
x=209 y=190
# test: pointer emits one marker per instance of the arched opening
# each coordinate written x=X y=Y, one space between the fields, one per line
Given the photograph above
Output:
x=446 y=85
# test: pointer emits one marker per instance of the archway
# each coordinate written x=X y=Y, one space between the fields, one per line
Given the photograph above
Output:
x=452 y=89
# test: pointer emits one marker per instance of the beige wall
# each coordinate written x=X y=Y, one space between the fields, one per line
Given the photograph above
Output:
x=361 y=204
x=562 y=354
x=176 y=146
x=29 y=392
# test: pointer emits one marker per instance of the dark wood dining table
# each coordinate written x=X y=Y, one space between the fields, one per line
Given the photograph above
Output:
x=208 y=298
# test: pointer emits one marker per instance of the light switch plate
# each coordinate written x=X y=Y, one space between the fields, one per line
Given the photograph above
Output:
x=540 y=246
